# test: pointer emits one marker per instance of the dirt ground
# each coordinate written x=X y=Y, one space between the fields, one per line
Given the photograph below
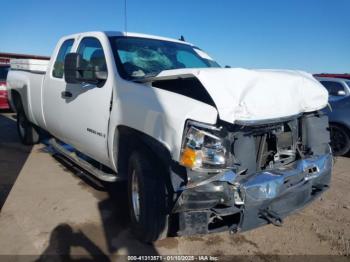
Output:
x=51 y=209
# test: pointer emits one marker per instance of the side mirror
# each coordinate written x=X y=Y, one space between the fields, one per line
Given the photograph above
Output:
x=72 y=63
x=341 y=93
x=77 y=70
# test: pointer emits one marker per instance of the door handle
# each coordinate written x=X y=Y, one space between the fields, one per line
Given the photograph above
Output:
x=66 y=94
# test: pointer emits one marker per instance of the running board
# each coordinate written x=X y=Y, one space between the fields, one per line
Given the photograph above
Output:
x=72 y=156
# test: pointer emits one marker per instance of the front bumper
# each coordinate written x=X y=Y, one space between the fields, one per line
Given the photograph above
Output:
x=237 y=203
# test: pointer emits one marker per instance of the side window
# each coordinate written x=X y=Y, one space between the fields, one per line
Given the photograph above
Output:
x=333 y=87
x=93 y=56
x=59 y=63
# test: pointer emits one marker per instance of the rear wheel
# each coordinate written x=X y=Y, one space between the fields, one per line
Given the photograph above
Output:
x=340 y=140
x=147 y=198
x=26 y=130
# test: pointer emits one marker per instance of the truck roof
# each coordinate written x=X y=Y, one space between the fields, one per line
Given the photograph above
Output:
x=120 y=33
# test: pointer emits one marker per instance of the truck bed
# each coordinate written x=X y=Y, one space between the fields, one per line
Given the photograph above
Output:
x=32 y=65
x=27 y=76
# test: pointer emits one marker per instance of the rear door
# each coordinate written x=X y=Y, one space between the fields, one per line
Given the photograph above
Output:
x=54 y=85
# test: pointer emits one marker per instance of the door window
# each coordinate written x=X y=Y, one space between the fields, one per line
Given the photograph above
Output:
x=58 y=67
x=93 y=56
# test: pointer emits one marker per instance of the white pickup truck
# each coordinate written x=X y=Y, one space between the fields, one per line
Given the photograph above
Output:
x=204 y=148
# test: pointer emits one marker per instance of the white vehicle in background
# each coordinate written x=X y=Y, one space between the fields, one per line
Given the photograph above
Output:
x=204 y=148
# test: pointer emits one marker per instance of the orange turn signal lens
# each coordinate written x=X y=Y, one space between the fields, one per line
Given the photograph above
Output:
x=188 y=157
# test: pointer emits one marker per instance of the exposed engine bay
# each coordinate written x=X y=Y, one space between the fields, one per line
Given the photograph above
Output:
x=289 y=158
x=272 y=146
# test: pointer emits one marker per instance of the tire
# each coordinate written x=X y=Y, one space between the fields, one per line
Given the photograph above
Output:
x=147 y=198
x=340 y=140
x=27 y=132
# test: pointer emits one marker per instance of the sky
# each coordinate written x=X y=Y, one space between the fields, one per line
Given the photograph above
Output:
x=310 y=35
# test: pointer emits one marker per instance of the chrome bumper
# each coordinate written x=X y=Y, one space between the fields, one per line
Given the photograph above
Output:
x=271 y=184
x=228 y=186
x=247 y=202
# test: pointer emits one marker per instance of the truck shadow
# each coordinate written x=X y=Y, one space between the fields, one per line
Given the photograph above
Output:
x=63 y=238
x=13 y=155
x=114 y=213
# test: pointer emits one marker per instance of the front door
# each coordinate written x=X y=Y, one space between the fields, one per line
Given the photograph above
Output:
x=83 y=109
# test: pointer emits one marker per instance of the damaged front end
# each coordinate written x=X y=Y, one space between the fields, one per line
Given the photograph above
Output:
x=243 y=175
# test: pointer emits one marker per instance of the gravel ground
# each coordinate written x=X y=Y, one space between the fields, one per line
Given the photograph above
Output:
x=51 y=209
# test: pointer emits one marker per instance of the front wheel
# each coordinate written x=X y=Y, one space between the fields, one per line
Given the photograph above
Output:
x=340 y=140
x=147 y=198
x=26 y=130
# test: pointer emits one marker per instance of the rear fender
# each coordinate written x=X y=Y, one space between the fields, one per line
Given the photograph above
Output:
x=17 y=85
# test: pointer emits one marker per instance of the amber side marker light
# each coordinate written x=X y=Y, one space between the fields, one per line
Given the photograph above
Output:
x=188 y=157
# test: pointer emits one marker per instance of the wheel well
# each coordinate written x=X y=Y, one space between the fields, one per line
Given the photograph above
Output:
x=17 y=100
x=347 y=130
x=129 y=140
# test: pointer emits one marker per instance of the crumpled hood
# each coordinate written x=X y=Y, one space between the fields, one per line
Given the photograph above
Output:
x=257 y=95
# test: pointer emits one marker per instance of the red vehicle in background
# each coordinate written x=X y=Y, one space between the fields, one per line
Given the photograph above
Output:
x=344 y=76
x=4 y=68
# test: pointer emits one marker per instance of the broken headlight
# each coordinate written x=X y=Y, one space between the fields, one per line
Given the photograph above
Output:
x=203 y=148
